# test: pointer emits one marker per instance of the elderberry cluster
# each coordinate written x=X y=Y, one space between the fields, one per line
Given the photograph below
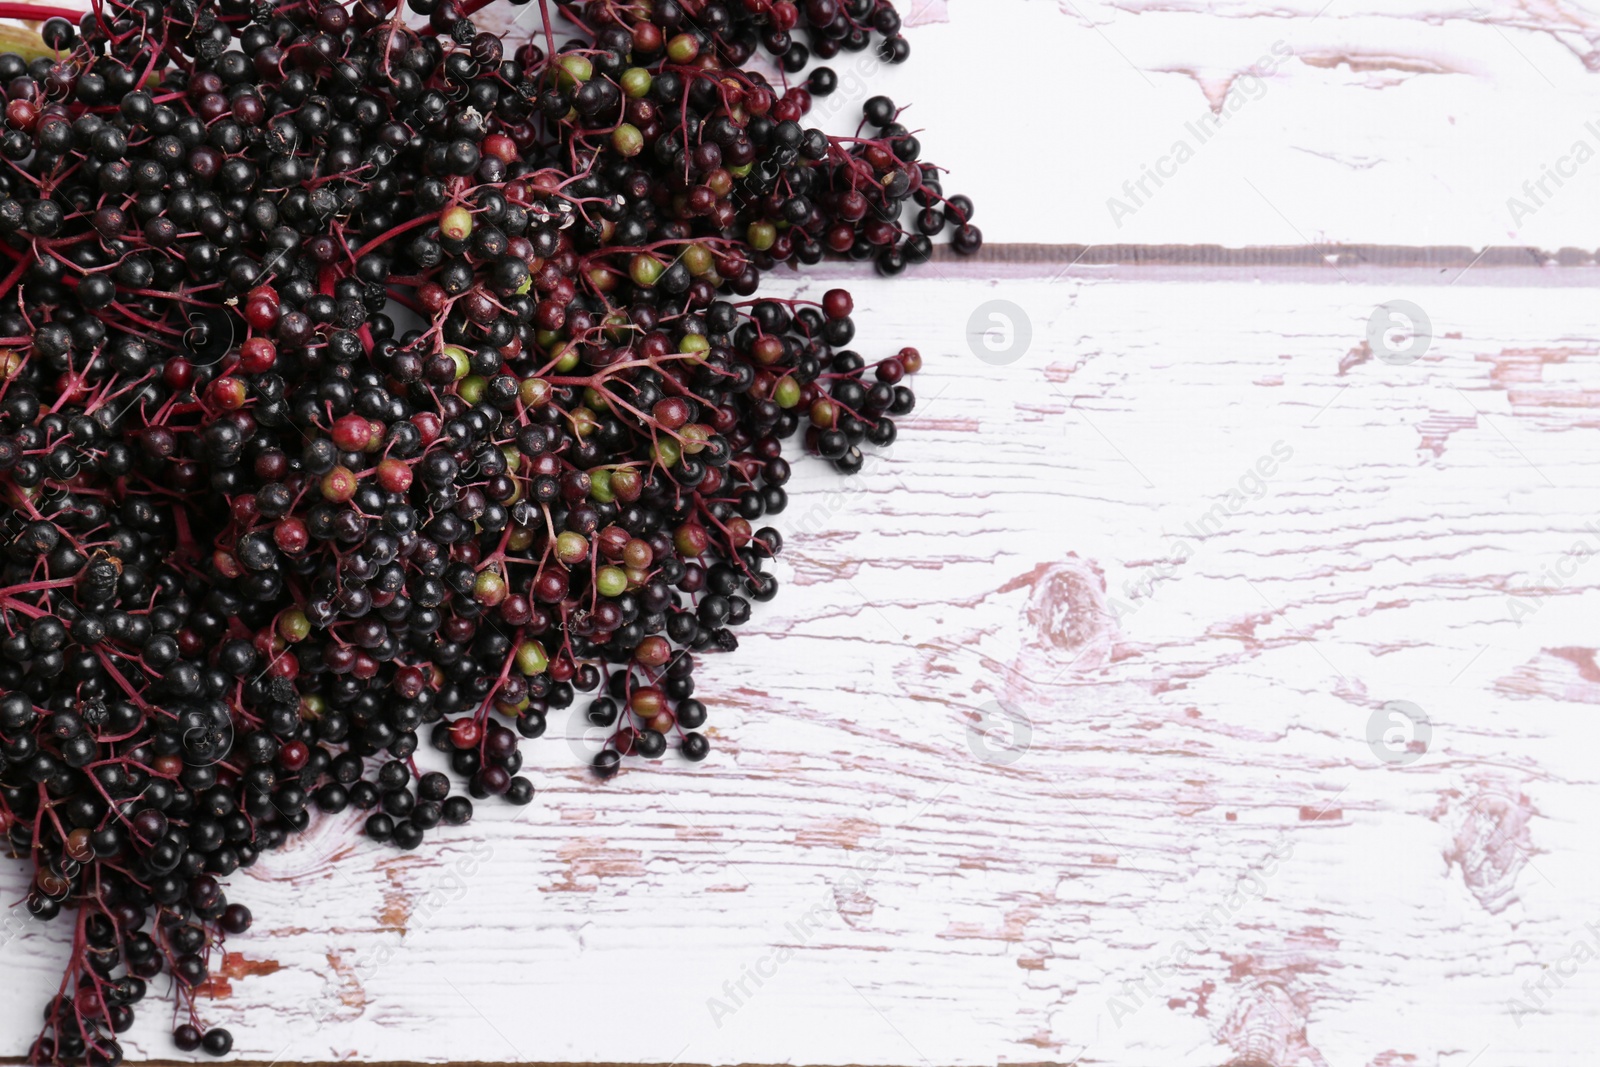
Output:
x=370 y=381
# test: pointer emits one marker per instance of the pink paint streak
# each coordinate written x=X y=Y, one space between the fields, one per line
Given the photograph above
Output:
x=923 y=12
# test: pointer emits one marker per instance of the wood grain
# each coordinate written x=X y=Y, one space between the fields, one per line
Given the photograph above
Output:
x=1182 y=849
x=1056 y=747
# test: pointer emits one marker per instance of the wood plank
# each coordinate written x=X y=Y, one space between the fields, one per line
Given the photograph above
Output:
x=1253 y=122
x=1409 y=122
x=1197 y=703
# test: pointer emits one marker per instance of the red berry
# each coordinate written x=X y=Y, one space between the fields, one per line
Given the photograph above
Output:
x=22 y=115
x=178 y=374
x=428 y=425
x=352 y=433
x=466 y=733
x=647 y=700
x=285 y=666
x=260 y=314
x=293 y=756
x=515 y=610
x=409 y=683
x=551 y=585
x=612 y=541
x=655 y=346
x=646 y=37
x=291 y=535
x=550 y=315
x=691 y=539
x=257 y=355
x=767 y=350
x=671 y=412
x=653 y=651
x=339 y=485
x=637 y=554
x=87 y=1001
x=500 y=147
x=394 y=476
x=229 y=394
x=759 y=101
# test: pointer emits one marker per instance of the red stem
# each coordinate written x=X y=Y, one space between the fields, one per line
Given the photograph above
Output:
x=16 y=272
x=39 y=12
x=421 y=220
x=549 y=31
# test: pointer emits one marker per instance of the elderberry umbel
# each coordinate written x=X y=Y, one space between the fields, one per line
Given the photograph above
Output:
x=366 y=381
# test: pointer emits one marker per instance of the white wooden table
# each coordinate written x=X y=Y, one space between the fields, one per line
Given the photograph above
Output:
x=1206 y=677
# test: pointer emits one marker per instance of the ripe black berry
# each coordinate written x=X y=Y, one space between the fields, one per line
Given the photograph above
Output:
x=276 y=536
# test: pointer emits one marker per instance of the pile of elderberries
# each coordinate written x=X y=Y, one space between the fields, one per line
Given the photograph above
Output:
x=371 y=381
